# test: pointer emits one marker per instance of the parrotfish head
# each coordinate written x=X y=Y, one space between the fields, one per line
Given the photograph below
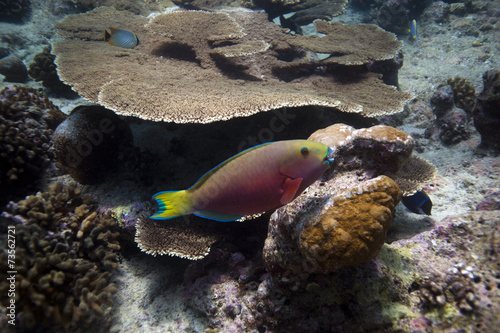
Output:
x=306 y=159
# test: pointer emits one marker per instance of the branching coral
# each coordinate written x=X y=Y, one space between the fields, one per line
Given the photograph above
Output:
x=64 y=254
x=237 y=67
x=464 y=93
x=27 y=120
x=43 y=69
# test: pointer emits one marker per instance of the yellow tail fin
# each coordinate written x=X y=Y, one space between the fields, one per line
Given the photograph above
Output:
x=172 y=204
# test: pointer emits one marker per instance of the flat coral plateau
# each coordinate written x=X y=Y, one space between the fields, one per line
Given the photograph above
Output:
x=196 y=66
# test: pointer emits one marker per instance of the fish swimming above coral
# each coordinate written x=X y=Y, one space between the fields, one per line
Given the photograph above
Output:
x=257 y=180
x=121 y=38
x=418 y=203
x=413 y=30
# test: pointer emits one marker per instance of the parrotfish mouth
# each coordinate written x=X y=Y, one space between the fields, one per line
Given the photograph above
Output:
x=329 y=156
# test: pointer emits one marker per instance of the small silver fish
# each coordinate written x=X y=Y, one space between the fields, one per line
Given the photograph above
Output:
x=121 y=38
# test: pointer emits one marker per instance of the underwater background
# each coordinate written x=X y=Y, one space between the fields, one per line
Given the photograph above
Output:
x=105 y=103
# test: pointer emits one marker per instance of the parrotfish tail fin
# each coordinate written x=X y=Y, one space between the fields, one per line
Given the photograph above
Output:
x=172 y=204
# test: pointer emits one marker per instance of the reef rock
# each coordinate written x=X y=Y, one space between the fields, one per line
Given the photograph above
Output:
x=319 y=234
x=86 y=143
x=487 y=110
x=342 y=219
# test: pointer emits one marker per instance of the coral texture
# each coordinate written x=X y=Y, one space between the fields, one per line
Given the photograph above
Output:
x=487 y=110
x=464 y=93
x=182 y=57
x=65 y=253
x=43 y=69
x=175 y=239
x=319 y=234
x=27 y=120
x=14 y=10
x=87 y=143
x=13 y=69
x=377 y=150
x=342 y=219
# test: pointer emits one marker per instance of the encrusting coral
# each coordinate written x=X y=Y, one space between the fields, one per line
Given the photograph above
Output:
x=65 y=253
x=241 y=66
x=27 y=121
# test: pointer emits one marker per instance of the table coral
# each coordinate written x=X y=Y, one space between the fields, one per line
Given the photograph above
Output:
x=170 y=67
x=65 y=253
x=27 y=120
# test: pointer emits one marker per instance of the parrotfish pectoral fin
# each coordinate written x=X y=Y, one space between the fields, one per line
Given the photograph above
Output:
x=290 y=187
x=221 y=217
x=172 y=204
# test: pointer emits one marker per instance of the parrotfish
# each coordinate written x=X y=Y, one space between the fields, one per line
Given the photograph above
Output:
x=413 y=30
x=122 y=38
x=418 y=203
x=257 y=180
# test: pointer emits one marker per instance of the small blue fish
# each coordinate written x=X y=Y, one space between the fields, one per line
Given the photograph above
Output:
x=413 y=30
x=418 y=203
x=122 y=38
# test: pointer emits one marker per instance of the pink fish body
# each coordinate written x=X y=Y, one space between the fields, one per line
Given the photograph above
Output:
x=257 y=180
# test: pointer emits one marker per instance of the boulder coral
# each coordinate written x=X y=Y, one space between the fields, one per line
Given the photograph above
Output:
x=87 y=142
x=65 y=253
x=342 y=219
x=320 y=234
x=238 y=67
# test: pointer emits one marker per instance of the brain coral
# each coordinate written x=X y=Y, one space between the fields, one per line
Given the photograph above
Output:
x=65 y=253
x=189 y=70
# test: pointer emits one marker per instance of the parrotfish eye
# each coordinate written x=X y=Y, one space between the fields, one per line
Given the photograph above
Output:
x=304 y=151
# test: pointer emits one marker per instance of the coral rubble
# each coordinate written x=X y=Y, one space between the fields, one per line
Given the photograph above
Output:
x=255 y=64
x=65 y=253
